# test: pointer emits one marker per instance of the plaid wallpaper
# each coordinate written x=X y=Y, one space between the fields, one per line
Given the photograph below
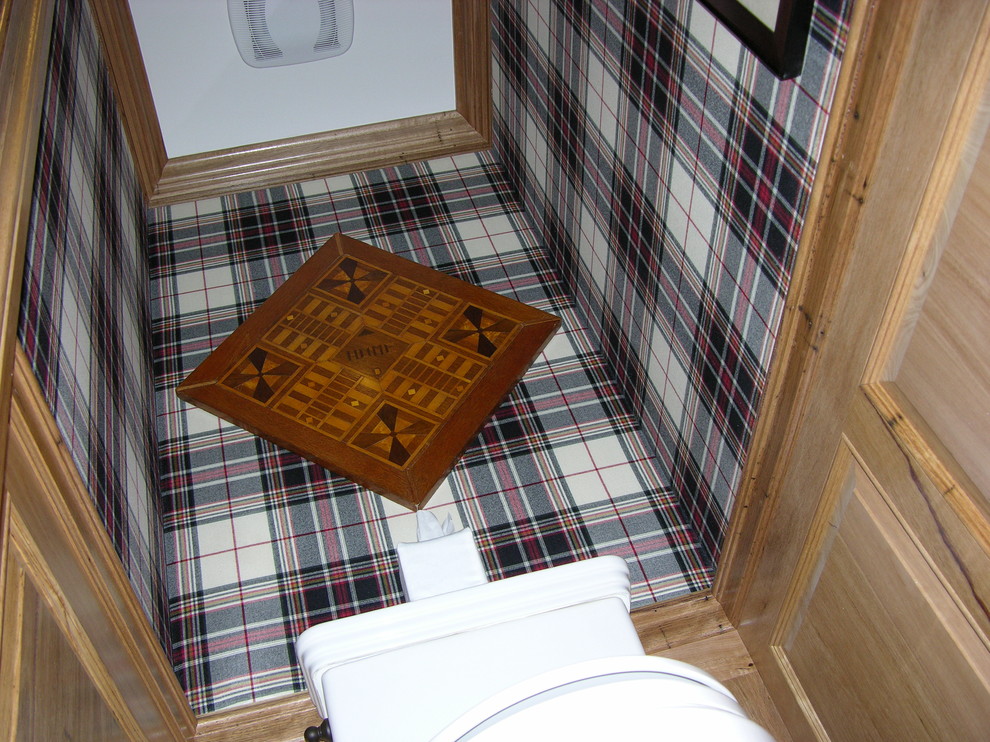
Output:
x=84 y=315
x=261 y=543
x=668 y=172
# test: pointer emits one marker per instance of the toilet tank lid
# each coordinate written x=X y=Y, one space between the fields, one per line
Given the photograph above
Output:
x=611 y=698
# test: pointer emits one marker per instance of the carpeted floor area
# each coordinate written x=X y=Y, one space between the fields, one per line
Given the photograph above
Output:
x=260 y=544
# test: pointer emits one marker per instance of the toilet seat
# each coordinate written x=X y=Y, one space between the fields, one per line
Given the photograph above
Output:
x=613 y=698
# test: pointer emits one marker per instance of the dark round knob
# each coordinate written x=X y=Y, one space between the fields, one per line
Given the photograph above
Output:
x=319 y=734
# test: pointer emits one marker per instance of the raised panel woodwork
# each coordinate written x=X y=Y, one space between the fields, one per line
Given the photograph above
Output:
x=51 y=697
x=52 y=522
x=859 y=567
x=945 y=372
x=879 y=648
x=932 y=505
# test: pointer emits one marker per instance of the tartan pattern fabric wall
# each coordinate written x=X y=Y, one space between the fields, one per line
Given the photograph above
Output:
x=84 y=317
x=262 y=544
x=669 y=173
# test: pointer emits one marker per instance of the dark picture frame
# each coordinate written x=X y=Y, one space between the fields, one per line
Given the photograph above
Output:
x=782 y=47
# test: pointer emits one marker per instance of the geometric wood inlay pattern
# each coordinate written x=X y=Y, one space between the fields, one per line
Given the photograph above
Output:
x=373 y=366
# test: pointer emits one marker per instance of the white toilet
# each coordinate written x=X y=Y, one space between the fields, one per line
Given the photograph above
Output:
x=547 y=655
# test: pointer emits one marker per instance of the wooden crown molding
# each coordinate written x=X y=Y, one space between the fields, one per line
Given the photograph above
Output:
x=167 y=180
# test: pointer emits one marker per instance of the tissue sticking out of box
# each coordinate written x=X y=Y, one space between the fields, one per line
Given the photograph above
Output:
x=428 y=526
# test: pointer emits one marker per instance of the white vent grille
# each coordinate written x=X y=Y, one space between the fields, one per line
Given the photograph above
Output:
x=272 y=33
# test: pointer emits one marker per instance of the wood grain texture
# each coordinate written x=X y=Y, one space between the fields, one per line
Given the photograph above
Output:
x=280 y=720
x=694 y=629
x=945 y=370
x=934 y=458
x=321 y=155
x=373 y=366
x=55 y=697
x=952 y=544
x=25 y=33
x=473 y=65
x=878 y=651
x=867 y=216
x=166 y=180
x=752 y=695
x=122 y=54
x=904 y=127
x=822 y=255
x=672 y=623
x=12 y=586
x=78 y=570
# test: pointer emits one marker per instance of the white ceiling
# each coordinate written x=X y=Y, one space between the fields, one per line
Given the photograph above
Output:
x=400 y=64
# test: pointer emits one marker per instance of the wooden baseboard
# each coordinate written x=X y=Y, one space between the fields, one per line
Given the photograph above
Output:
x=280 y=720
x=695 y=629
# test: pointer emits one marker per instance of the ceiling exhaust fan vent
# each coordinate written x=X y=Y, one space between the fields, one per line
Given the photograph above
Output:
x=274 y=33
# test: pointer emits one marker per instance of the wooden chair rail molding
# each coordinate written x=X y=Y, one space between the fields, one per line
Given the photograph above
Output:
x=25 y=33
x=167 y=180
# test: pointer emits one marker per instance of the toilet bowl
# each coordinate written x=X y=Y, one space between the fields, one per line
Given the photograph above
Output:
x=548 y=649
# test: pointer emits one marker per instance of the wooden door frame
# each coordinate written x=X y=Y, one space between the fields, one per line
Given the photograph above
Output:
x=881 y=194
x=822 y=256
x=852 y=140
x=165 y=180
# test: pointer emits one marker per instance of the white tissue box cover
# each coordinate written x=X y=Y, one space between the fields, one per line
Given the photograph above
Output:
x=345 y=640
x=414 y=692
x=440 y=565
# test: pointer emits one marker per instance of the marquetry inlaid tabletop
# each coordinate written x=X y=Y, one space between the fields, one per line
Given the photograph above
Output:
x=375 y=367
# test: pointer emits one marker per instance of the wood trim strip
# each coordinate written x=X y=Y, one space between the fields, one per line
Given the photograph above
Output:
x=122 y=55
x=167 y=180
x=473 y=65
x=824 y=251
x=12 y=585
x=280 y=720
x=317 y=156
x=25 y=33
x=49 y=495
